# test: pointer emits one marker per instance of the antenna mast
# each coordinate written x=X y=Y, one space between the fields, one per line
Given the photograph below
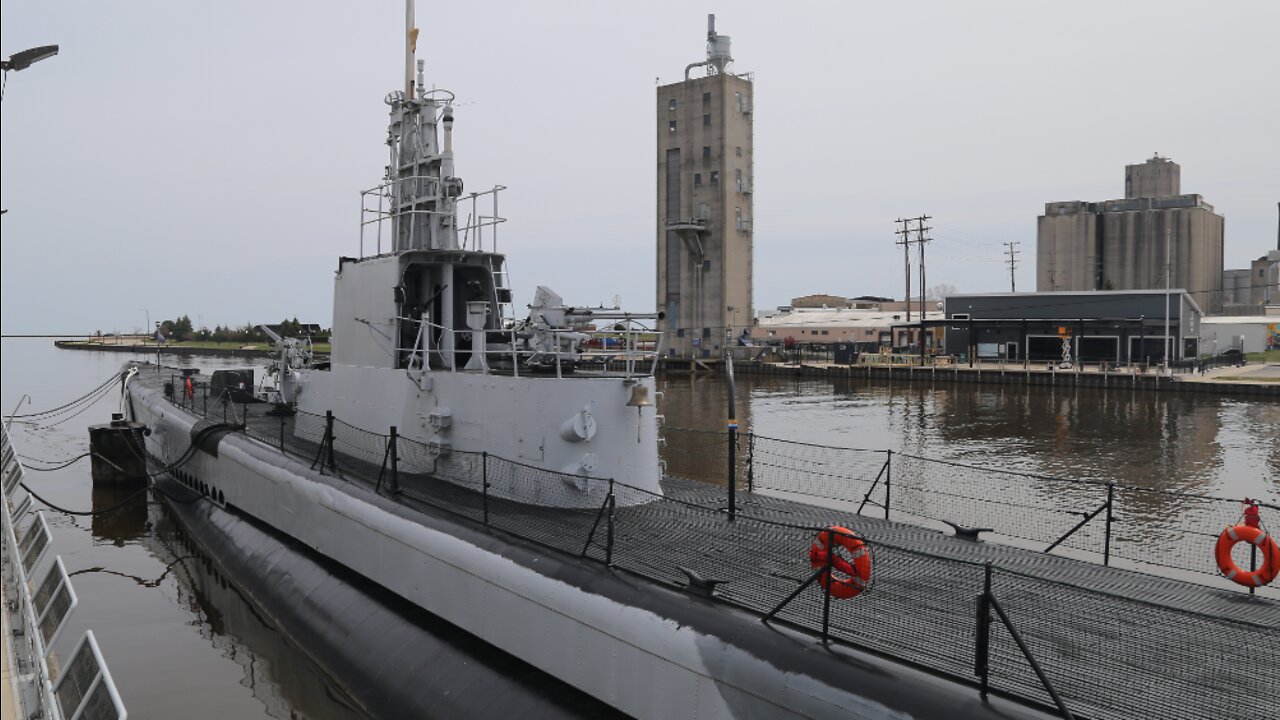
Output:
x=410 y=45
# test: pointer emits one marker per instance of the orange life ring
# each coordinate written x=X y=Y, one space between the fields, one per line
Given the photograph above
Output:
x=1258 y=537
x=856 y=569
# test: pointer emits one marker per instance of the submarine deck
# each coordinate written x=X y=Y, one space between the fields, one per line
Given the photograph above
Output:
x=1114 y=643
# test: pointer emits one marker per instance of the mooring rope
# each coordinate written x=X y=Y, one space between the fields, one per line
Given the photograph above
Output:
x=52 y=411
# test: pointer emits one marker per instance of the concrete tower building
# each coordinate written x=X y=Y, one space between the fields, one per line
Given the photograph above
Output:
x=704 y=153
x=1121 y=244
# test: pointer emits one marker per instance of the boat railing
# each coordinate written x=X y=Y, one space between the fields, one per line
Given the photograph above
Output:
x=1143 y=528
x=629 y=360
x=35 y=614
x=379 y=206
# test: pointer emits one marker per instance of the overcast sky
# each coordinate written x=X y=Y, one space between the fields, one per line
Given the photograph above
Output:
x=206 y=158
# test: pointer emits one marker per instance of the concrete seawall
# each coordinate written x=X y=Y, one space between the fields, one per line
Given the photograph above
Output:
x=1226 y=381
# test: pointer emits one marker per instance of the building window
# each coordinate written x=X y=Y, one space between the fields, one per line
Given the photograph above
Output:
x=671 y=126
x=706 y=265
x=738 y=151
x=706 y=98
x=697 y=179
x=824 y=332
x=715 y=177
x=737 y=101
x=680 y=332
x=737 y=217
x=960 y=316
x=671 y=104
x=737 y=178
x=773 y=333
x=706 y=119
x=706 y=332
x=706 y=152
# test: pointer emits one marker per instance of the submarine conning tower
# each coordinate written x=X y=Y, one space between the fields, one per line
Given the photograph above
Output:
x=423 y=192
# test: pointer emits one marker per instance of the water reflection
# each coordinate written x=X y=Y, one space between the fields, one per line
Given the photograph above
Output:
x=278 y=675
x=127 y=522
x=1178 y=442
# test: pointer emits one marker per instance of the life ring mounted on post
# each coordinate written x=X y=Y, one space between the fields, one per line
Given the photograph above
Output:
x=1250 y=530
x=853 y=566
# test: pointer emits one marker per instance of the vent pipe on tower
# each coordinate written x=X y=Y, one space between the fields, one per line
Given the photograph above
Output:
x=718 y=55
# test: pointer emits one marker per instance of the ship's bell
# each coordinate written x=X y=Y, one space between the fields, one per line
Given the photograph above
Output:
x=639 y=396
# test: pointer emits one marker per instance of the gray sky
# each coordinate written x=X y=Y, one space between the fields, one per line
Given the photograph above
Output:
x=206 y=158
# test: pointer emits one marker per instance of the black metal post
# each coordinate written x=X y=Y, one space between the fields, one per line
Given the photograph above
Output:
x=244 y=415
x=982 y=639
x=888 y=480
x=608 y=547
x=204 y=391
x=794 y=594
x=826 y=590
x=282 y=433
x=751 y=464
x=733 y=439
x=1106 y=547
x=395 y=461
x=972 y=344
x=1026 y=652
x=866 y=498
x=484 y=485
x=328 y=439
x=1253 y=562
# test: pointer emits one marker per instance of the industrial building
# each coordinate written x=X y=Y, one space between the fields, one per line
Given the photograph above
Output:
x=1250 y=290
x=704 y=159
x=1121 y=327
x=1248 y=334
x=867 y=329
x=1156 y=237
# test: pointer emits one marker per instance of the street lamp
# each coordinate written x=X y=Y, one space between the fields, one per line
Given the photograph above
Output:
x=1168 y=271
x=23 y=60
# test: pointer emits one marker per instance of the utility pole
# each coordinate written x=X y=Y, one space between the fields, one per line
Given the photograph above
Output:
x=1168 y=268
x=1012 y=252
x=921 y=240
x=905 y=242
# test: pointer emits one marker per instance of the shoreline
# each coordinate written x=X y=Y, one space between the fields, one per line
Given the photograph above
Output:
x=162 y=350
x=1222 y=381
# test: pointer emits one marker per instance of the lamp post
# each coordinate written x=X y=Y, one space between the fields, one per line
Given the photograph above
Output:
x=1168 y=269
x=22 y=61
x=26 y=58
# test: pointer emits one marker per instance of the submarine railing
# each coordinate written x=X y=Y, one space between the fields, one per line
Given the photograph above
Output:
x=1021 y=506
x=1054 y=609
x=1050 y=513
x=982 y=645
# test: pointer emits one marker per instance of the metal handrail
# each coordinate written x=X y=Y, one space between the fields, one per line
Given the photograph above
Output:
x=419 y=352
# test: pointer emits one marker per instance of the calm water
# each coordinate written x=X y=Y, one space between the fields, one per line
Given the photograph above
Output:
x=1192 y=443
x=181 y=642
